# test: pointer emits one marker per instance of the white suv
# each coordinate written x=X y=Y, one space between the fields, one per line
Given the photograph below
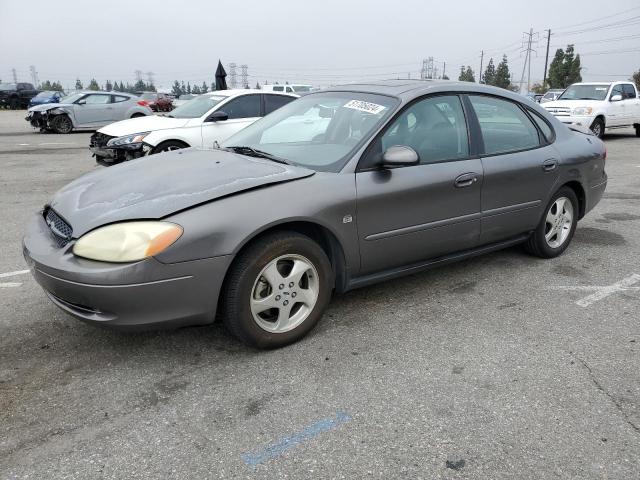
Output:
x=599 y=106
x=202 y=122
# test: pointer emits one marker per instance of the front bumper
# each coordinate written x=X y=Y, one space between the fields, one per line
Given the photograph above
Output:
x=115 y=154
x=582 y=120
x=144 y=294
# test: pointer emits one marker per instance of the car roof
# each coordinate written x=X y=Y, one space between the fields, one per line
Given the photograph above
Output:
x=241 y=91
x=409 y=89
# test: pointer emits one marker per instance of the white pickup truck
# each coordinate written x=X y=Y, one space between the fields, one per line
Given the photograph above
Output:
x=599 y=106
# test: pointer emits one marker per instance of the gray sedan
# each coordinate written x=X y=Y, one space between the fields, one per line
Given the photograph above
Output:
x=86 y=111
x=336 y=190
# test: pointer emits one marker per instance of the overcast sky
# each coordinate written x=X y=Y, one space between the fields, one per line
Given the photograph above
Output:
x=319 y=42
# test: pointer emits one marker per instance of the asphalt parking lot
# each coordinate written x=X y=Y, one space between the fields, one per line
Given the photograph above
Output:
x=502 y=367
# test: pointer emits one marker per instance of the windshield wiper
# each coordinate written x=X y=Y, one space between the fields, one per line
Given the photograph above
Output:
x=252 y=152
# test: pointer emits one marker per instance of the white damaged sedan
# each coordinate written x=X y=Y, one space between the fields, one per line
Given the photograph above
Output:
x=203 y=122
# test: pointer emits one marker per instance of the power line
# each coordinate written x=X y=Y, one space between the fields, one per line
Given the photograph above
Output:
x=599 y=19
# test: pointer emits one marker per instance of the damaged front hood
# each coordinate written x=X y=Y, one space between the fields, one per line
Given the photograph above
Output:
x=48 y=106
x=157 y=186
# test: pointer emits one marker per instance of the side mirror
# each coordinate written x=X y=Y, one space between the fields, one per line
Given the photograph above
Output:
x=615 y=98
x=217 y=116
x=399 y=156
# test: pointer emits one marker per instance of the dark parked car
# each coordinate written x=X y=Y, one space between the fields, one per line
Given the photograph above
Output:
x=358 y=184
x=16 y=95
x=48 y=96
x=158 y=102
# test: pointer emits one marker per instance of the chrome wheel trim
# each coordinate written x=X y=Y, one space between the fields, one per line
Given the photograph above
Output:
x=596 y=128
x=284 y=293
x=558 y=222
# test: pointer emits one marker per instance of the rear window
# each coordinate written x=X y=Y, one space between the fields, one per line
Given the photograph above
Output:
x=505 y=127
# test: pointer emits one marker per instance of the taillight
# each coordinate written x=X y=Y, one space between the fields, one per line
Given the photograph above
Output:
x=143 y=103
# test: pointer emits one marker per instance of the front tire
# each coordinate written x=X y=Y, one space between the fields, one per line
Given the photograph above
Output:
x=277 y=290
x=558 y=224
x=169 y=146
x=61 y=124
x=597 y=127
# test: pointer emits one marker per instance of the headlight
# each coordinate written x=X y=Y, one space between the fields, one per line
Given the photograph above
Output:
x=127 y=241
x=582 y=111
x=127 y=139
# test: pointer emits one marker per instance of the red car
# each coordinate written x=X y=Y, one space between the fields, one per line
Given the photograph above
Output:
x=158 y=102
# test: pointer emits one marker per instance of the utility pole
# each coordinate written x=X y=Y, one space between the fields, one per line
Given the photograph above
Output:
x=480 y=72
x=15 y=76
x=444 y=69
x=546 y=60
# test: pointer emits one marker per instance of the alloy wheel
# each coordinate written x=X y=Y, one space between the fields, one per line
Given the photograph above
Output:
x=559 y=222
x=284 y=293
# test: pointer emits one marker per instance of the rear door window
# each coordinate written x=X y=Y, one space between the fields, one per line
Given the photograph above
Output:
x=274 y=102
x=246 y=106
x=504 y=126
x=544 y=127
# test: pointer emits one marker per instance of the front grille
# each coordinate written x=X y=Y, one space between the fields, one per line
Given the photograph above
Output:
x=60 y=229
x=559 y=111
x=99 y=140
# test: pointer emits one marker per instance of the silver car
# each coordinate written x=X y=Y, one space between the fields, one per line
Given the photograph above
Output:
x=86 y=111
x=333 y=191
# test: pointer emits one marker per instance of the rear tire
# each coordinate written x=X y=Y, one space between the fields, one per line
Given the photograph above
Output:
x=597 y=127
x=14 y=104
x=169 y=146
x=557 y=226
x=61 y=124
x=277 y=290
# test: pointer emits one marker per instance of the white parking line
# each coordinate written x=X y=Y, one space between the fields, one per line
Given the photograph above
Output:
x=602 y=292
x=10 y=284
x=23 y=144
x=11 y=274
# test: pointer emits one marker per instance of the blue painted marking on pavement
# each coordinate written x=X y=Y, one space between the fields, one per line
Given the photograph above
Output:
x=271 y=451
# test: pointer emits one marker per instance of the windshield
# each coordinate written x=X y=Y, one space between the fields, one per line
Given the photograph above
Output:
x=8 y=86
x=585 y=92
x=318 y=131
x=196 y=107
x=71 y=98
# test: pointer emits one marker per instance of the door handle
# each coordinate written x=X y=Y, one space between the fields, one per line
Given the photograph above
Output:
x=549 y=165
x=466 y=180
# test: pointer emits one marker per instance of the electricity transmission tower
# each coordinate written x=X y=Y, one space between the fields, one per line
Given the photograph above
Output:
x=15 y=75
x=427 y=69
x=150 y=77
x=233 y=75
x=244 y=76
x=138 y=74
x=34 y=76
x=529 y=41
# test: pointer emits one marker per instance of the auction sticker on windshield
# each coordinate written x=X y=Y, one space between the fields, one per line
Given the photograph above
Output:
x=373 y=108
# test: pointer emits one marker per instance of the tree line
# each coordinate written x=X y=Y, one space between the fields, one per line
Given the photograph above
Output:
x=497 y=76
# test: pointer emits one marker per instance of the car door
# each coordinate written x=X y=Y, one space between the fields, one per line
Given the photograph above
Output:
x=616 y=111
x=93 y=110
x=410 y=214
x=632 y=104
x=242 y=111
x=520 y=166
